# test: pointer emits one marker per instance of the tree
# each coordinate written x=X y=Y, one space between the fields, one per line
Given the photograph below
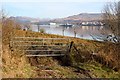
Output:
x=111 y=19
x=27 y=26
x=8 y=27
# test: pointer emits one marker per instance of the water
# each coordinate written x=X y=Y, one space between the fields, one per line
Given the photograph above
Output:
x=84 y=32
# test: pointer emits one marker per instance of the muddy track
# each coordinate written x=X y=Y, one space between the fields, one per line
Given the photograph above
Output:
x=41 y=68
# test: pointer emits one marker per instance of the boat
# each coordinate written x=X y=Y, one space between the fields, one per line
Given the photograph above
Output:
x=66 y=25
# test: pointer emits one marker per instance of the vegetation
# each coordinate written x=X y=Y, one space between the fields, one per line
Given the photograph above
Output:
x=27 y=26
x=87 y=58
x=14 y=64
x=111 y=18
x=56 y=67
x=42 y=30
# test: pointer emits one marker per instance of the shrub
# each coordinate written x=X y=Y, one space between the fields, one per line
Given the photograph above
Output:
x=8 y=27
x=42 y=30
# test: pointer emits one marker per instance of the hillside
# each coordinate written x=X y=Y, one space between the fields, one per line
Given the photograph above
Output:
x=21 y=19
x=17 y=65
x=71 y=19
x=80 y=17
x=86 y=17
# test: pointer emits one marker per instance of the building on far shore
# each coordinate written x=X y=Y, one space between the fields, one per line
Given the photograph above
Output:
x=53 y=24
x=91 y=23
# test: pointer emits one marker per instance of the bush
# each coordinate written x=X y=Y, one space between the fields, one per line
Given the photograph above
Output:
x=8 y=27
x=42 y=30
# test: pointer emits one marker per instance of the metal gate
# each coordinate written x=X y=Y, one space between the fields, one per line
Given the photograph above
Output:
x=37 y=46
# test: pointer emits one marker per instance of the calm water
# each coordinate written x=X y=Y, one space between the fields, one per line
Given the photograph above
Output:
x=84 y=32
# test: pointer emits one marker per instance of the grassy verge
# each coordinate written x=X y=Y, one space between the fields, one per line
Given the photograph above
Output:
x=17 y=65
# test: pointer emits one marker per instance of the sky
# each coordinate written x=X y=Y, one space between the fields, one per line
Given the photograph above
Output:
x=51 y=8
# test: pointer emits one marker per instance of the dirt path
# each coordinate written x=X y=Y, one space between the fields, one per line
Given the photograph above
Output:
x=58 y=71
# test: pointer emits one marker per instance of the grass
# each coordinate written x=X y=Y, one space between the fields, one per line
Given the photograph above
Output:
x=17 y=65
x=99 y=71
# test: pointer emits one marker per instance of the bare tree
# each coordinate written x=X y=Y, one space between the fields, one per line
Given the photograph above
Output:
x=3 y=14
x=75 y=33
x=111 y=18
x=8 y=27
x=27 y=26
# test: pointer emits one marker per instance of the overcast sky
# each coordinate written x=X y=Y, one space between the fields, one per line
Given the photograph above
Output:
x=52 y=8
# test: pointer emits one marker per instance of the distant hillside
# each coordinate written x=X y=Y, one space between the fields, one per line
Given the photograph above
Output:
x=80 y=17
x=86 y=17
x=71 y=19
x=21 y=19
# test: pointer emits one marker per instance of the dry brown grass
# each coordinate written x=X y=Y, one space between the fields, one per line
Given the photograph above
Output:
x=14 y=65
x=107 y=51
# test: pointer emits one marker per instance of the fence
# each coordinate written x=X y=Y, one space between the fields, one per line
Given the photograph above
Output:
x=36 y=46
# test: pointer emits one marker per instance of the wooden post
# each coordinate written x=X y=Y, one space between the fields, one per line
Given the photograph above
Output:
x=63 y=31
x=76 y=49
x=70 y=46
x=38 y=27
x=75 y=33
x=43 y=41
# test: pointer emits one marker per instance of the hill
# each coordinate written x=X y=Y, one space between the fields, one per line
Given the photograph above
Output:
x=81 y=17
x=53 y=67
x=86 y=17
x=87 y=58
x=70 y=19
x=21 y=19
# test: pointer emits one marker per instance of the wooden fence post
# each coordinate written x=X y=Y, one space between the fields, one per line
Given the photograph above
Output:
x=70 y=46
